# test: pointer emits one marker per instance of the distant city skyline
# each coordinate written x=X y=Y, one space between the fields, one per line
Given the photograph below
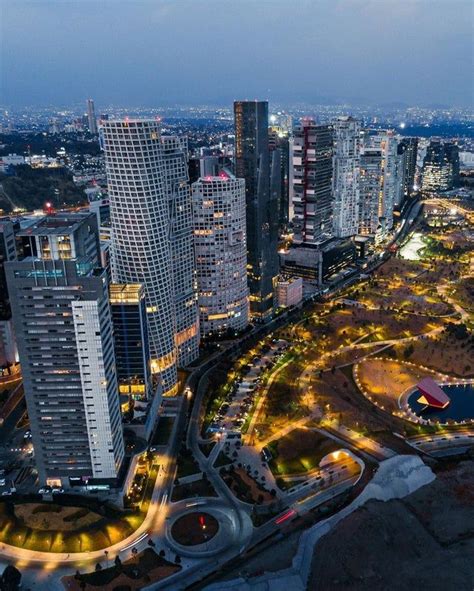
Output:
x=183 y=52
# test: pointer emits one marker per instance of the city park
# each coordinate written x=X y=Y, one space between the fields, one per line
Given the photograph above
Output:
x=338 y=391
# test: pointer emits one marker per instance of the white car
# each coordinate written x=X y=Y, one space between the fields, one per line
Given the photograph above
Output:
x=2 y=481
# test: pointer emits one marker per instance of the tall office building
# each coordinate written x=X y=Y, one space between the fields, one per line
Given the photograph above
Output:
x=91 y=120
x=221 y=253
x=279 y=144
x=132 y=348
x=312 y=183
x=141 y=248
x=61 y=315
x=346 y=176
x=252 y=163
x=409 y=147
x=440 y=166
x=370 y=188
x=8 y=350
x=175 y=154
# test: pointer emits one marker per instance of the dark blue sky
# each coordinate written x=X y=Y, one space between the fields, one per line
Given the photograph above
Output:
x=160 y=52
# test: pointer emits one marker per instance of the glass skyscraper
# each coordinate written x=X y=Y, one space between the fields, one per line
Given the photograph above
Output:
x=252 y=163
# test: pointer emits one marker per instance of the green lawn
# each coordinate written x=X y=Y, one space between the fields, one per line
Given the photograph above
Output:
x=299 y=451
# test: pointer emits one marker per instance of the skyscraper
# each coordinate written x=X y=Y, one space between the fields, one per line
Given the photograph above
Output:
x=91 y=120
x=279 y=143
x=221 y=253
x=409 y=146
x=346 y=176
x=141 y=249
x=175 y=154
x=252 y=163
x=312 y=183
x=385 y=142
x=8 y=350
x=62 y=321
x=370 y=187
x=440 y=166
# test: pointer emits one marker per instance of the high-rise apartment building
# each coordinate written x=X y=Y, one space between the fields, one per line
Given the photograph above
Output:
x=175 y=157
x=384 y=142
x=370 y=187
x=252 y=163
x=346 y=176
x=91 y=120
x=62 y=321
x=312 y=183
x=221 y=253
x=140 y=220
x=440 y=166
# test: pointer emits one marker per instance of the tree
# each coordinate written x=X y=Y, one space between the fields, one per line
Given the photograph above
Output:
x=117 y=561
x=11 y=578
x=177 y=560
x=98 y=566
x=151 y=543
x=162 y=553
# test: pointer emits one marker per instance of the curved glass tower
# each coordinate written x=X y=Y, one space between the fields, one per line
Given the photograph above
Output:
x=141 y=251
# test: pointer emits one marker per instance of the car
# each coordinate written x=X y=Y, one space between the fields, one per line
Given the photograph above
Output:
x=44 y=490
x=2 y=481
x=58 y=491
x=6 y=493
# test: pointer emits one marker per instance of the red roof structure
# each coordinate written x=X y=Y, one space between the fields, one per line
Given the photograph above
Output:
x=432 y=394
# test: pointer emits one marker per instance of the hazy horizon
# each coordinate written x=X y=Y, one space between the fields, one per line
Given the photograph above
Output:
x=367 y=52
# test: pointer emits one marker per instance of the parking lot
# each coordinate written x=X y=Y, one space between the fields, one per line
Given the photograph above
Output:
x=235 y=410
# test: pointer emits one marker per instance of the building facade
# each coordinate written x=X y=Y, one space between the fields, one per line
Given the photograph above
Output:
x=409 y=147
x=346 y=176
x=91 y=119
x=175 y=155
x=221 y=253
x=8 y=349
x=312 y=183
x=62 y=321
x=279 y=143
x=140 y=221
x=440 y=166
x=370 y=187
x=252 y=163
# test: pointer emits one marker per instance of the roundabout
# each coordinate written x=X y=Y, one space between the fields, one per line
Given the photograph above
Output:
x=195 y=528
x=205 y=527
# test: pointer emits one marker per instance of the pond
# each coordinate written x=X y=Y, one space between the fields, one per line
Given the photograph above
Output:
x=460 y=408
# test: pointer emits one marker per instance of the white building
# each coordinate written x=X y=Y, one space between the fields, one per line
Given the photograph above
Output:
x=290 y=292
x=346 y=176
x=221 y=253
x=378 y=185
x=175 y=152
x=141 y=250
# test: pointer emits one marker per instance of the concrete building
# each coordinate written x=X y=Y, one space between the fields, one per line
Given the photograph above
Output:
x=252 y=163
x=91 y=119
x=290 y=291
x=346 y=176
x=221 y=253
x=140 y=221
x=175 y=156
x=63 y=325
x=312 y=183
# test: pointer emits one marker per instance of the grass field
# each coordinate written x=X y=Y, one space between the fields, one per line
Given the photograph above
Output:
x=299 y=451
